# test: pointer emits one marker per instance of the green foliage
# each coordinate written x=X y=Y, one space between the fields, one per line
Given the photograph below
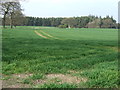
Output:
x=104 y=79
x=71 y=22
x=63 y=26
x=9 y=69
x=79 y=49
x=30 y=79
x=74 y=22
x=103 y=75
x=37 y=76
x=27 y=81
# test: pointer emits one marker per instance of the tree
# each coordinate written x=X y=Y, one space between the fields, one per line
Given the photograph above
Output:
x=62 y=26
x=4 y=10
x=9 y=8
x=69 y=21
x=94 y=24
x=108 y=23
x=55 y=21
x=15 y=9
x=18 y=19
x=84 y=20
x=76 y=22
x=100 y=22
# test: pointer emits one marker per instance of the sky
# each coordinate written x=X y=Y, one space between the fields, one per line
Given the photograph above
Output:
x=70 y=8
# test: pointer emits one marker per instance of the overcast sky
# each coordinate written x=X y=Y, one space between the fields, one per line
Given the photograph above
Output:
x=70 y=8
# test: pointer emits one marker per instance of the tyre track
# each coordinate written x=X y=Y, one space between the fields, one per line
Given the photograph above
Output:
x=50 y=35
x=39 y=34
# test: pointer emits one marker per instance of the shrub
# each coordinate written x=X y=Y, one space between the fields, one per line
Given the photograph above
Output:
x=63 y=26
x=37 y=76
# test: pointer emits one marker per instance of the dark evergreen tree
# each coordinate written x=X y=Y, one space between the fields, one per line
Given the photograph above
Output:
x=76 y=22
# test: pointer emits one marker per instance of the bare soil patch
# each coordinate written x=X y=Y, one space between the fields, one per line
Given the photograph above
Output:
x=15 y=81
x=49 y=35
x=13 y=84
x=39 y=82
x=22 y=76
x=73 y=71
x=66 y=78
x=35 y=27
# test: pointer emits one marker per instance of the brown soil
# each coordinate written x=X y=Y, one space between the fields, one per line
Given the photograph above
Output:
x=15 y=80
x=49 y=35
x=22 y=76
x=66 y=78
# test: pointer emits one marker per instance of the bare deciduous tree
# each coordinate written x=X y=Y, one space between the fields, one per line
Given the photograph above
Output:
x=10 y=8
x=14 y=7
x=69 y=21
x=4 y=9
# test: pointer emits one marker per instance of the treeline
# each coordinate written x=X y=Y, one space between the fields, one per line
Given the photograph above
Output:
x=13 y=16
x=35 y=21
x=73 y=22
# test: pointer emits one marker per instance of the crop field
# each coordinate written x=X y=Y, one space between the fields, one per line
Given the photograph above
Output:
x=49 y=57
